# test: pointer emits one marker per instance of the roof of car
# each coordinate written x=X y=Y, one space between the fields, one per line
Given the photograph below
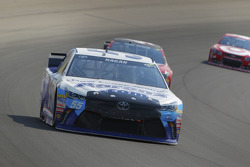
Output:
x=237 y=36
x=132 y=41
x=113 y=55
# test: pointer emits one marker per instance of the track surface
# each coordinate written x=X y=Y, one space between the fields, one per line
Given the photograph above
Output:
x=216 y=122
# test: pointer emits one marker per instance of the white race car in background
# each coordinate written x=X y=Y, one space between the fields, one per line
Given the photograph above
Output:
x=109 y=93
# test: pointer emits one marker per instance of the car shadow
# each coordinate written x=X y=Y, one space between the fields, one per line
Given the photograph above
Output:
x=32 y=122
x=35 y=122
x=205 y=62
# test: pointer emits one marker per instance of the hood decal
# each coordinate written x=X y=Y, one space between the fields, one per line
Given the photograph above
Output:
x=234 y=50
x=118 y=87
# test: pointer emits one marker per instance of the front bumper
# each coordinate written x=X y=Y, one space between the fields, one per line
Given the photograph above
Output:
x=217 y=63
x=100 y=116
x=227 y=61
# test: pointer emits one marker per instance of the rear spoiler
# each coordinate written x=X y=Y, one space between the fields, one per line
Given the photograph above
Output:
x=55 y=59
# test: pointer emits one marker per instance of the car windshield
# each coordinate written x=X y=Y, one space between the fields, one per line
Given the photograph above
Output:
x=154 y=54
x=236 y=42
x=117 y=70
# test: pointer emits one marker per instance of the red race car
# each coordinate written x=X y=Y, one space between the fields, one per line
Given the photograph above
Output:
x=155 y=52
x=232 y=51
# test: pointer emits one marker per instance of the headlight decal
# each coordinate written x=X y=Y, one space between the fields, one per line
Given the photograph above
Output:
x=73 y=95
x=168 y=116
x=170 y=107
x=247 y=58
x=172 y=116
x=217 y=52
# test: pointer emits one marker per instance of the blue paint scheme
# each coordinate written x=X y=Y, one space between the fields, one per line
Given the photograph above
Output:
x=78 y=105
x=53 y=69
x=135 y=90
x=168 y=116
x=119 y=135
x=180 y=107
x=168 y=131
x=71 y=118
x=60 y=91
x=75 y=107
x=68 y=125
x=68 y=110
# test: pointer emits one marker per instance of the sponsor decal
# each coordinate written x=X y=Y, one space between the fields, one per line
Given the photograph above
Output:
x=178 y=125
x=178 y=120
x=116 y=61
x=58 y=116
x=119 y=88
x=62 y=100
x=59 y=104
x=61 y=96
x=178 y=132
x=59 y=110
x=234 y=50
x=179 y=116
x=179 y=111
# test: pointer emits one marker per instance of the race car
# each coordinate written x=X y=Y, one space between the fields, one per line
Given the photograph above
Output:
x=109 y=93
x=153 y=51
x=232 y=51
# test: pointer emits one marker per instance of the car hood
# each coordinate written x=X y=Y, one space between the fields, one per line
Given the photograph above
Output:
x=83 y=86
x=234 y=50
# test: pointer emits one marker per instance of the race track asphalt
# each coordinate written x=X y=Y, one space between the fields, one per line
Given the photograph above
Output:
x=216 y=122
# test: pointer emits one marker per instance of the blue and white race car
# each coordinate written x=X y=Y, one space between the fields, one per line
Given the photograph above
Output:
x=109 y=93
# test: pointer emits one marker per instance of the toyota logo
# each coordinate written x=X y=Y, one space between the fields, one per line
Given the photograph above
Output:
x=122 y=105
